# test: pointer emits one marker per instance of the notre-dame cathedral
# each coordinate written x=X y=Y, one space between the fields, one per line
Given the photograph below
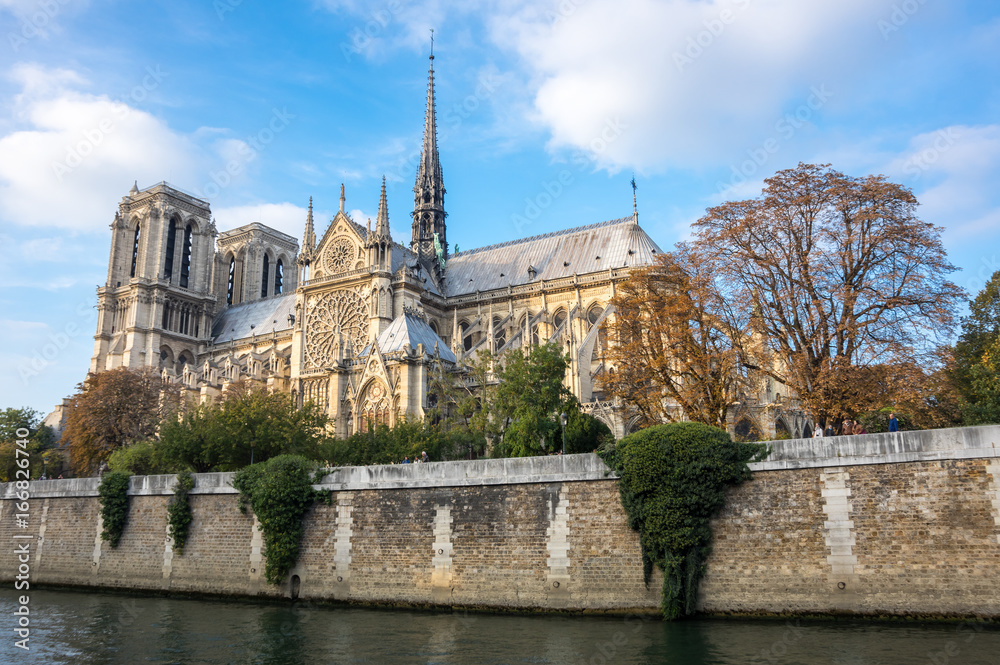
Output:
x=354 y=320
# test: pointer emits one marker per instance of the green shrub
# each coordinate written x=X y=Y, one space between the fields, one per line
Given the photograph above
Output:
x=280 y=492
x=113 y=493
x=179 y=511
x=673 y=479
x=140 y=459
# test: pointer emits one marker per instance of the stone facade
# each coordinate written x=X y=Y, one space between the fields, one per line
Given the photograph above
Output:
x=355 y=321
x=902 y=533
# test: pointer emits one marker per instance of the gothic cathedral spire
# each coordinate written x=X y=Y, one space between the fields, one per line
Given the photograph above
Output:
x=429 y=235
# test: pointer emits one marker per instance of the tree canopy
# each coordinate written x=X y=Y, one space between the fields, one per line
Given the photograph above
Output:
x=112 y=410
x=839 y=273
x=674 y=343
x=977 y=356
x=40 y=441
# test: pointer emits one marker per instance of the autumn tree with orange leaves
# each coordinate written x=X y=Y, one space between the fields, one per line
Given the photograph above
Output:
x=115 y=409
x=673 y=355
x=841 y=277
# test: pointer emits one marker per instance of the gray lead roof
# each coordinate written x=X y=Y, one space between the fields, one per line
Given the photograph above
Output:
x=585 y=249
x=260 y=317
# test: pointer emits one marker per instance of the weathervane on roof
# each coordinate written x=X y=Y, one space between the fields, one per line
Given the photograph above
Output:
x=635 y=205
x=432 y=43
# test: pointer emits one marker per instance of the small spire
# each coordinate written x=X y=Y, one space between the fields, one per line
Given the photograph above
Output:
x=309 y=235
x=382 y=221
x=135 y=188
x=342 y=198
x=635 y=205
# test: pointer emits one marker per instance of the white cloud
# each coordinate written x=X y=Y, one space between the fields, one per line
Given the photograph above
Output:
x=653 y=84
x=76 y=154
x=285 y=217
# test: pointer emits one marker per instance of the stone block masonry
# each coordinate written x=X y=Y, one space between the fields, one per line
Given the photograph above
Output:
x=896 y=524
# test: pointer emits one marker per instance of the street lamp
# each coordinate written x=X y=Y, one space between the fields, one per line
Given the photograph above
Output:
x=563 y=419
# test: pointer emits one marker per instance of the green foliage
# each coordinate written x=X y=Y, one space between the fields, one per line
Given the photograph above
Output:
x=977 y=357
x=584 y=432
x=141 y=459
x=389 y=445
x=280 y=492
x=249 y=423
x=520 y=394
x=984 y=406
x=179 y=511
x=41 y=441
x=673 y=479
x=113 y=493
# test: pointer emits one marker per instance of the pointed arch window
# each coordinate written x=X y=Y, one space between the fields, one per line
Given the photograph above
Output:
x=135 y=249
x=264 y=277
x=168 y=263
x=279 y=277
x=186 y=256
x=232 y=281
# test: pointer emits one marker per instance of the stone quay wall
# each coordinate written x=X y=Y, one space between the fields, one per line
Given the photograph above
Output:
x=881 y=524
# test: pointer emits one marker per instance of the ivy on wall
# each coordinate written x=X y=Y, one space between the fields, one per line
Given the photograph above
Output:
x=113 y=493
x=280 y=492
x=673 y=480
x=179 y=514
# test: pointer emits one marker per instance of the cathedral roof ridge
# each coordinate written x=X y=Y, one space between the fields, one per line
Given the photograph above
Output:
x=551 y=234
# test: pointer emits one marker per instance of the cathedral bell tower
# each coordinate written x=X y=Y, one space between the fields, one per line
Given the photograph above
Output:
x=156 y=308
x=430 y=240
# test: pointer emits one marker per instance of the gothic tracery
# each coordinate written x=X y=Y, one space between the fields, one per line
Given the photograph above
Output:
x=330 y=316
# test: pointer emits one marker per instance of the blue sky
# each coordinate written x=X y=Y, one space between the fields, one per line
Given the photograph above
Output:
x=545 y=110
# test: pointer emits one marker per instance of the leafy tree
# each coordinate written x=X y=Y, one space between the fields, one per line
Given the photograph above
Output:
x=112 y=410
x=984 y=379
x=675 y=343
x=976 y=369
x=839 y=273
x=453 y=403
x=247 y=423
x=520 y=403
x=673 y=480
x=40 y=441
x=584 y=432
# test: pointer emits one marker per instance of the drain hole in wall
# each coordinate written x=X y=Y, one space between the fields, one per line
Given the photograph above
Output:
x=555 y=585
x=440 y=551
x=339 y=578
x=841 y=585
x=253 y=570
x=296 y=583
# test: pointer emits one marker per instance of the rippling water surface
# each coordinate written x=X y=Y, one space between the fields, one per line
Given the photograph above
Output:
x=77 y=627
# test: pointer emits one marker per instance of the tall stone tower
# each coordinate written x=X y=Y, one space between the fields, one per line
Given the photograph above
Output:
x=157 y=305
x=430 y=240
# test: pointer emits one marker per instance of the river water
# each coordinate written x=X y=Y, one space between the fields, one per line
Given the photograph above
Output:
x=79 y=627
